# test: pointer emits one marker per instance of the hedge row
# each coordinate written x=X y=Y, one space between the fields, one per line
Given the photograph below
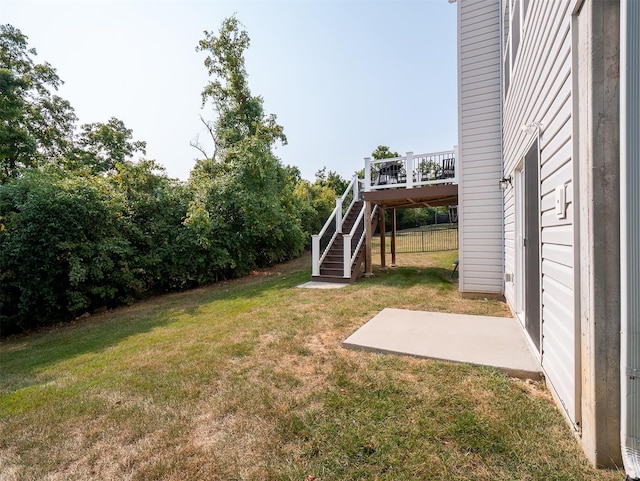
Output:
x=71 y=244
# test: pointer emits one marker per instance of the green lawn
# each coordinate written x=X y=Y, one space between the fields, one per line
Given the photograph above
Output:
x=247 y=380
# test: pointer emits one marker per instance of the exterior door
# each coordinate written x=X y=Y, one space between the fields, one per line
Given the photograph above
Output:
x=532 y=245
x=519 y=247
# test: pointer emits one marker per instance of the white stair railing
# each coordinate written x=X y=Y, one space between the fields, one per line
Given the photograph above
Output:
x=333 y=226
x=358 y=232
x=349 y=255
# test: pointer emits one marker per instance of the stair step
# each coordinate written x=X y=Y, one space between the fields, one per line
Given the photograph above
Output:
x=331 y=271
x=332 y=267
x=332 y=260
x=336 y=279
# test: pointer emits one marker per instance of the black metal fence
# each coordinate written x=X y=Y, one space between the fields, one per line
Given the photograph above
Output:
x=430 y=240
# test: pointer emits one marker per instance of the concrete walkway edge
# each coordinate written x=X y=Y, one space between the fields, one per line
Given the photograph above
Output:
x=498 y=342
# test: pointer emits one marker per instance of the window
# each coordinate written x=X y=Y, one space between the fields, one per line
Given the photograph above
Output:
x=506 y=71
x=507 y=75
x=515 y=31
x=505 y=24
x=513 y=13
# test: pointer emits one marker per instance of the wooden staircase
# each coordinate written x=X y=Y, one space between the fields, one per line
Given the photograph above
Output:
x=331 y=268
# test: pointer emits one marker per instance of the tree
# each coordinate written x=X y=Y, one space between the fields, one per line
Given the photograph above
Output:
x=240 y=114
x=16 y=144
x=383 y=152
x=332 y=180
x=36 y=126
x=316 y=202
x=102 y=146
x=244 y=203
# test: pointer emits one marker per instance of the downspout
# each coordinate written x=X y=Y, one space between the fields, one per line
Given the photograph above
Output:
x=459 y=150
x=502 y=94
x=630 y=237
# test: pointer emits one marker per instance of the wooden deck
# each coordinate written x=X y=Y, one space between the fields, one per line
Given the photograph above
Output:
x=427 y=196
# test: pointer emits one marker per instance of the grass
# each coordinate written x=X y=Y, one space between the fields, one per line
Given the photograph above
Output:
x=247 y=380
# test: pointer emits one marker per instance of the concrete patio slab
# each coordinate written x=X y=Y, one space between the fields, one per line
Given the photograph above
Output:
x=489 y=341
x=322 y=285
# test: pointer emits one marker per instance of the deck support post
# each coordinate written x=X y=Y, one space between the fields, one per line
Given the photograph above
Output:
x=368 y=271
x=393 y=237
x=315 y=255
x=383 y=238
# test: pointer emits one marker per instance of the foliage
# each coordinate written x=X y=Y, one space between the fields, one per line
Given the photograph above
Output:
x=418 y=216
x=84 y=227
x=249 y=208
x=244 y=189
x=59 y=249
x=240 y=114
x=332 y=180
x=74 y=243
x=100 y=147
x=383 y=152
x=36 y=126
x=316 y=204
x=318 y=199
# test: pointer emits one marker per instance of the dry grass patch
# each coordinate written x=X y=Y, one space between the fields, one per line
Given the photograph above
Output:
x=247 y=380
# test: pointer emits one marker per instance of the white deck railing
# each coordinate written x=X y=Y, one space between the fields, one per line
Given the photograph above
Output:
x=411 y=170
x=400 y=172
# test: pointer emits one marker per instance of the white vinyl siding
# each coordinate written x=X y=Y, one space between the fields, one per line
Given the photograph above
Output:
x=630 y=255
x=479 y=130
x=541 y=91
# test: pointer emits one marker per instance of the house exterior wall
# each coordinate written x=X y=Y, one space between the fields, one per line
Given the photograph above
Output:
x=630 y=235
x=558 y=66
x=540 y=91
x=479 y=131
x=598 y=60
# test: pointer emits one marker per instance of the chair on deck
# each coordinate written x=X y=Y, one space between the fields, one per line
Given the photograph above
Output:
x=448 y=168
x=388 y=173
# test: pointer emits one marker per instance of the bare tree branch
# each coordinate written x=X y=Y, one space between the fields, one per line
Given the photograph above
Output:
x=197 y=145
x=210 y=126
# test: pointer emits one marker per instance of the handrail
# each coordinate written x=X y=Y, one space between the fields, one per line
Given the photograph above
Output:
x=358 y=230
x=349 y=188
x=350 y=192
x=347 y=254
x=328 y=223
x=340 y=201
x=358 y=219
x=336 y=216
x=350 y=254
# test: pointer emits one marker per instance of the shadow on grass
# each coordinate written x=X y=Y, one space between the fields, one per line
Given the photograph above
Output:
x=411 y=276
x=24 y=359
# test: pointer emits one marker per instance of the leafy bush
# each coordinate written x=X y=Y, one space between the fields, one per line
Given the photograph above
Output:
x=61 y=250
x=82 y=226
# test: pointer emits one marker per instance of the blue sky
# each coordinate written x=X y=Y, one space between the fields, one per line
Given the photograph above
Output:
x=342 y=77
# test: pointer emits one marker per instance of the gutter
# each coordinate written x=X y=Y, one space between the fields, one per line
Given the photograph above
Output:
x=630 y=237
